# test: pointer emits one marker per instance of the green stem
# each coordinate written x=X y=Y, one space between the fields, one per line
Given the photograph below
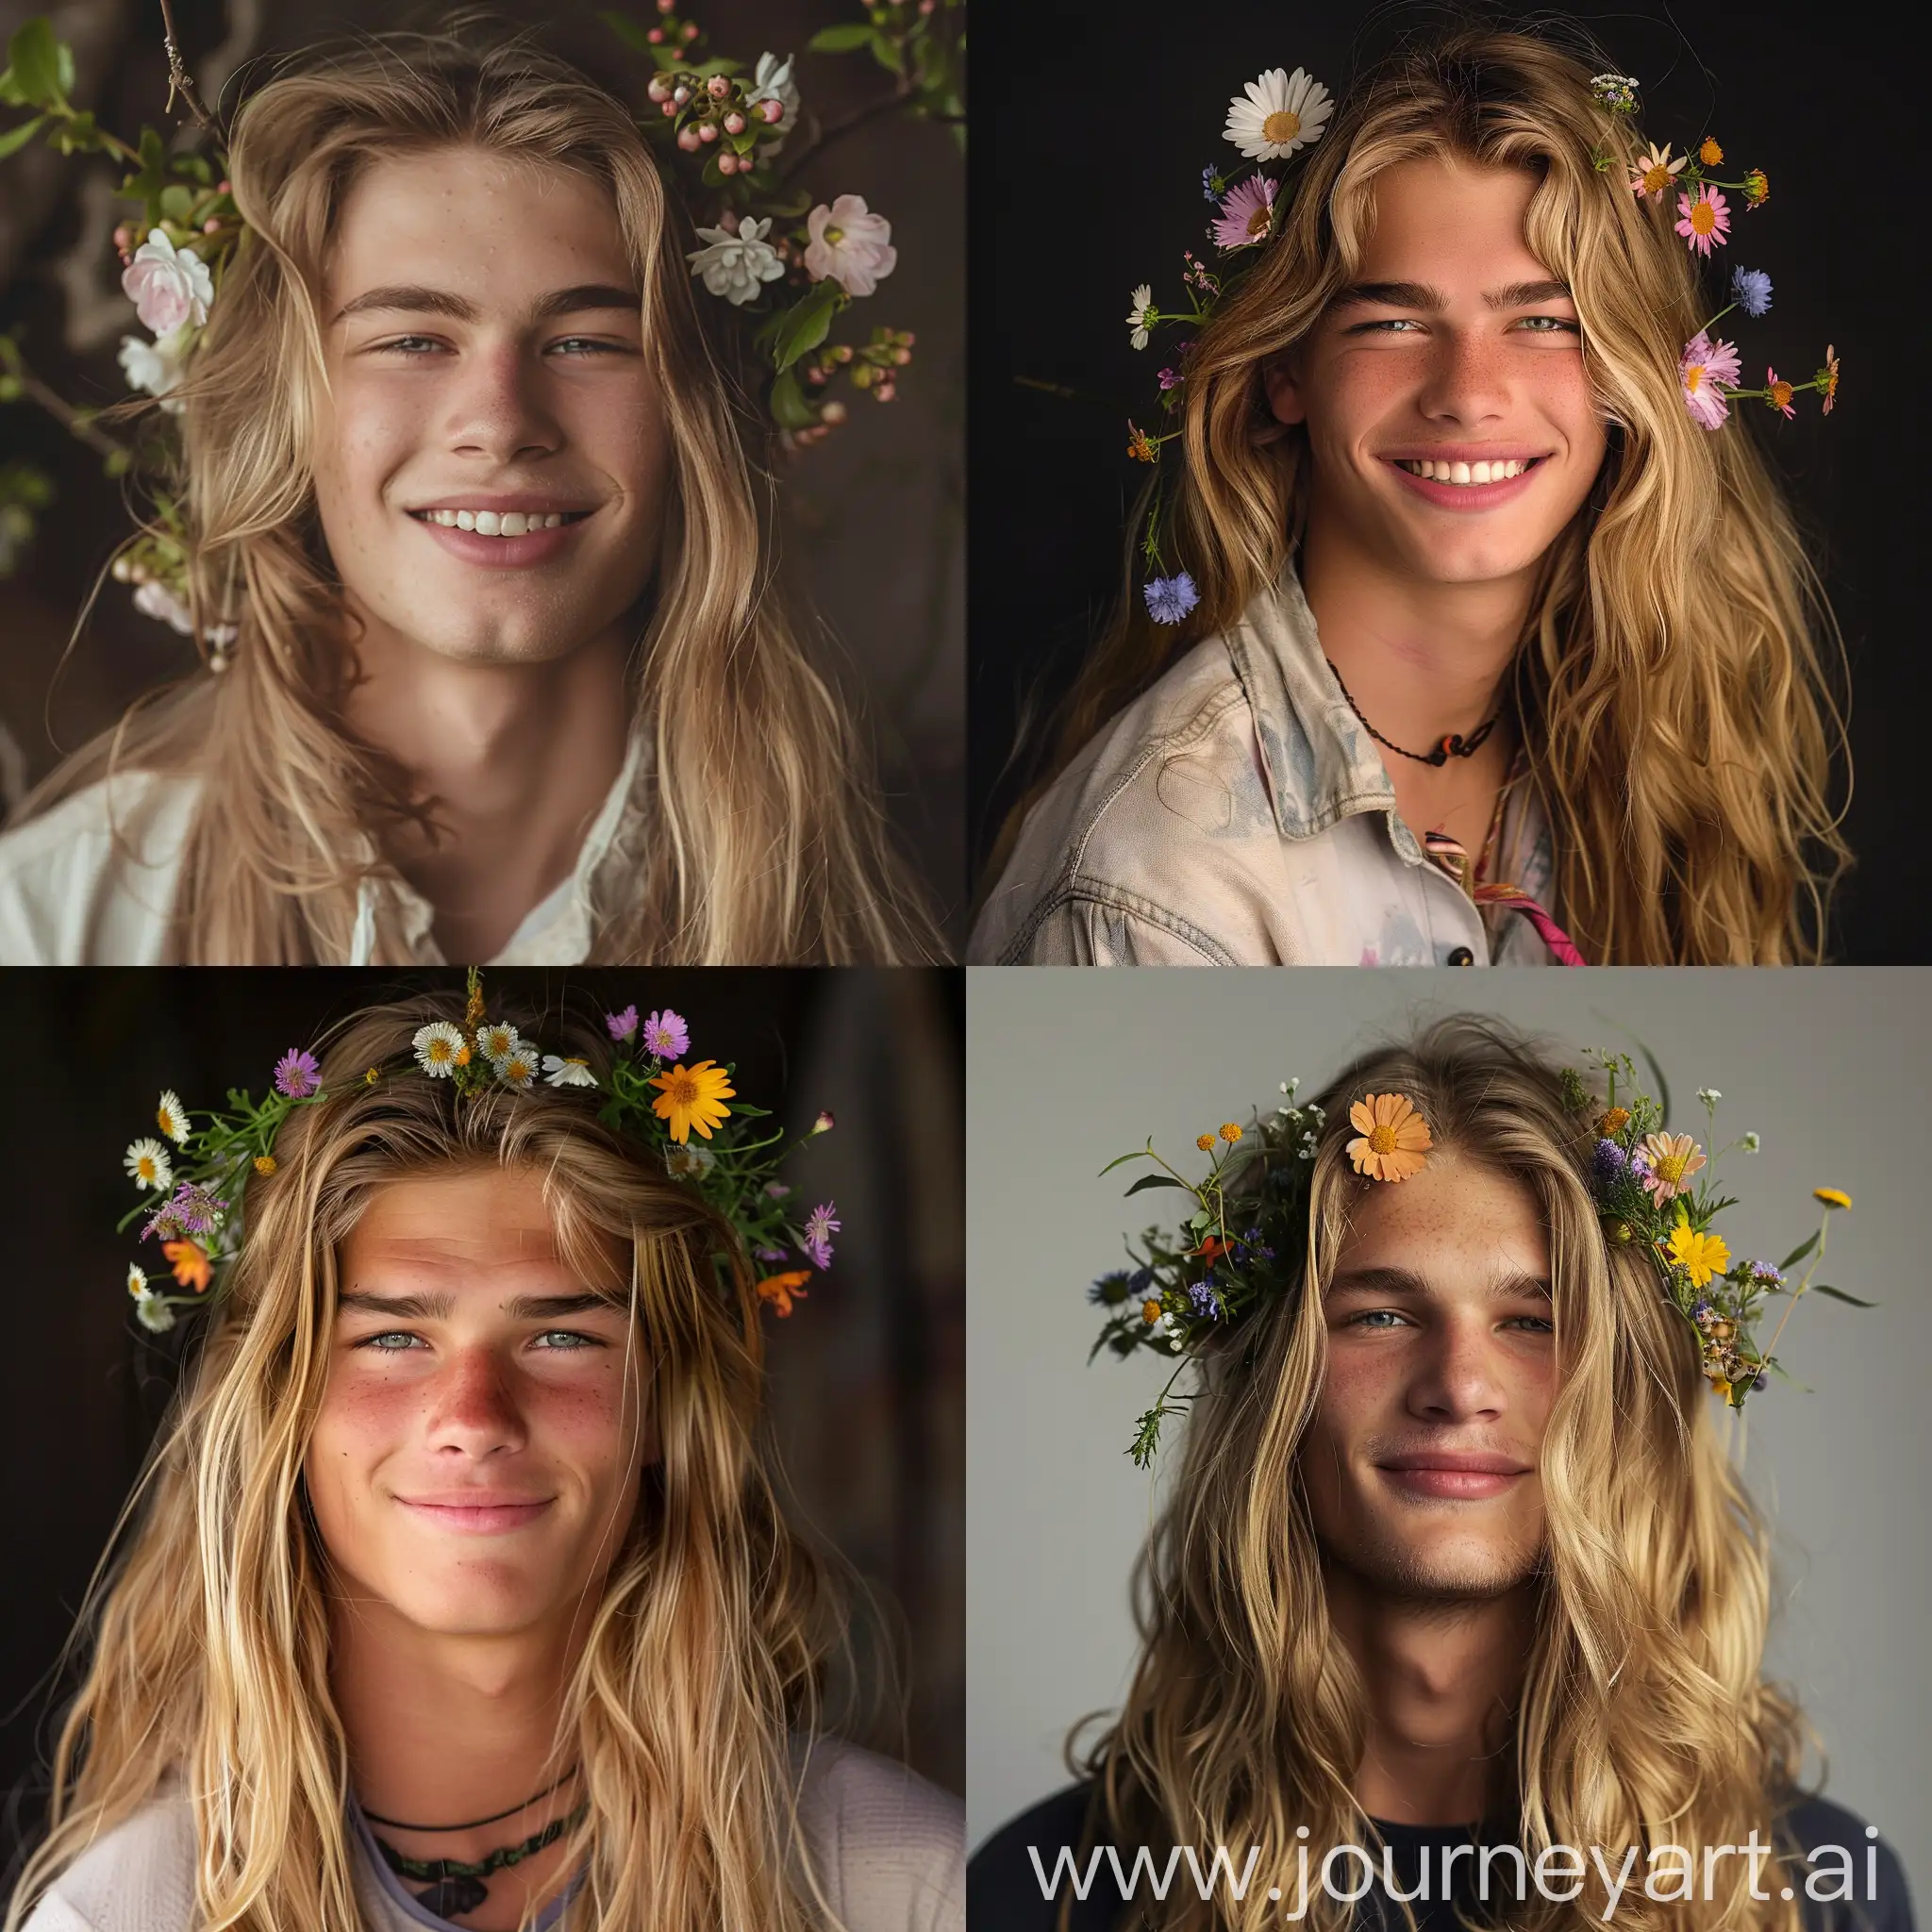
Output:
x=1823 y=1236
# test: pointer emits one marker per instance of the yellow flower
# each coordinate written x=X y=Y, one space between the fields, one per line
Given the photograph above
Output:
x=461 y=1055
x=1204 y=1142
x=694 y=1097
x=1832 y=1197
x=1394 y=1138
x=1150 y=1312
x=1701 y=1255
x=1710 y=154
x=1653 y=171
x=1614 y=1122
x=369 y=1078
x=1720 y=1387
x=264 y=1164
x=1757 y=188
x=1230 y=1132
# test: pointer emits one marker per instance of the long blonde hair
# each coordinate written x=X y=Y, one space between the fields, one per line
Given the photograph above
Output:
x=764 y=841
x=702 y=1660
x=1643 y=1717
x=1669 y=685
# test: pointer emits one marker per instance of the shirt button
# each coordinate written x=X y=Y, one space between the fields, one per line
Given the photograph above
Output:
x=1462 y=957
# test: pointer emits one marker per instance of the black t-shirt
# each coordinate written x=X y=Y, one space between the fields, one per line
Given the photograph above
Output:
x=1004 y=1893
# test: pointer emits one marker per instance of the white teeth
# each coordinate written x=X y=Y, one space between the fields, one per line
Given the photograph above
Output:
x=1479 y=473
x=489 y=523
x=513 y=522
x=466 y=520
x=1467 y=474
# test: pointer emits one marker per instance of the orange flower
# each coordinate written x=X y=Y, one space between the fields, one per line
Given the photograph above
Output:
x=1230 y=1132
x=1204 y=1142
x=191 y=1266
x=264 y=1164
x=1614 y=1122
x=1213 y=1248
x=781 y=1290
x=694 y=1097
x=1830 y=374
x=1394 y=1138
x=1710 y=154
x=1150 y=1312
x=1139 y=447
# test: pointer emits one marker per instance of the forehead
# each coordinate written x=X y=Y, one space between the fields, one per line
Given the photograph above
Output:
x=1456 y=1212
x=477 y=1222
x=1450 y=222
x=486 y=226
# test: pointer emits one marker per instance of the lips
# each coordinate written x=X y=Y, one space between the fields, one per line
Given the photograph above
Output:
x=476 y=1512
x=1456 y=1474
x=1466 y=497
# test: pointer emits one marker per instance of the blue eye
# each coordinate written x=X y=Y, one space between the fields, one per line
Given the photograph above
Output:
x=1551 y=324
x=1367 y=1319
x=572 y=1337
x=378 y=1343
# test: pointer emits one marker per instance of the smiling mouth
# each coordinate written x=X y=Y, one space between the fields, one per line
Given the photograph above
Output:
x=1468 y=475
x=508 y=523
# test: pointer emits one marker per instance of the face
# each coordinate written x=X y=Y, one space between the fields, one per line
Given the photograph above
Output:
x=475 y=1461
x=486 y=360
x=1454 y=346
x=1420 y=1463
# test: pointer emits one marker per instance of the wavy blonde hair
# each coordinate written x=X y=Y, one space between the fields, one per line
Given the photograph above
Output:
x=1670 y=684
x=702 y=1660
x=1643 y=1717
x=765 y=841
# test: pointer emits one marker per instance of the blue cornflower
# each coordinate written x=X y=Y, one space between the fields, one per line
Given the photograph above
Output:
x=1207 y=194
x=1751 y=290
x=1207 y=1303
x=1169 y=599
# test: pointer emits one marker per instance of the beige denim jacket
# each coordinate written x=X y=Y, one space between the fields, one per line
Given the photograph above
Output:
x=1238 y=814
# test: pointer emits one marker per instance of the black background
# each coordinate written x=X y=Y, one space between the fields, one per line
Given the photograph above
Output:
x=1094 y=125
x=866 y=1376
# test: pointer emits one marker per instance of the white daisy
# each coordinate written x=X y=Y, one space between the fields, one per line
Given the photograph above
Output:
x=1142 y=299
x=136 y=1280
x=147 y=1162
x=153 y=1312
x=1282 y=112
x=518 y=1067
x=568 y=1073
x=172 y=1118
x=437 y=1047
x=497 y=1040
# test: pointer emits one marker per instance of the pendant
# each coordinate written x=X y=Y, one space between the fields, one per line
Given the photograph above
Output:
x=448 y=1898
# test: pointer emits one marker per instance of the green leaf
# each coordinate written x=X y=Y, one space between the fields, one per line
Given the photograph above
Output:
x=1159 y=1180
x=888 y=55
x=76 y=134
x=807 y=325
x=177 y=203
x=1145 y=1153
x=629 y=32
x=1837 y=1294
x=843 y=40
x=792 y=411
x=34 y=56
x=63 y=62
x=17 y=137
x=1797 y=1255
x=10 y=96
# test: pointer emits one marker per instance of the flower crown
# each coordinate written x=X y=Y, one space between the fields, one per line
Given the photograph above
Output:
x=1279 y=116
x=717 y=127
x=197 y=1173
x=1241 y=1246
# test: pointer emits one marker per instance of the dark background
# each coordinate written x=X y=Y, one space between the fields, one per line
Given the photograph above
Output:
x=867 y=1373
x=874 y=515
x=1086 y=179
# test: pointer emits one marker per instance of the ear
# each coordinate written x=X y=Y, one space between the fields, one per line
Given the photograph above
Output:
x=1279 y=378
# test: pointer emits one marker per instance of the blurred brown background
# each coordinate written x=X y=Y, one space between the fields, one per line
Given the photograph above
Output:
x=866 y=1376
x=875 y=513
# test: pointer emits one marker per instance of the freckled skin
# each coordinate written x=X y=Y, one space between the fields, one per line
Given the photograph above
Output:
x=476 y=1397
x=505 y=403
x=1467 y=375
x=1454 y=1369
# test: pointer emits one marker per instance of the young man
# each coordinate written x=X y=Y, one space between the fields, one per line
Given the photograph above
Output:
x=1466 y=1568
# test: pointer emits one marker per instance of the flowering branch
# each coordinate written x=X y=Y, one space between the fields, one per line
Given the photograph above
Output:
x=179 y=80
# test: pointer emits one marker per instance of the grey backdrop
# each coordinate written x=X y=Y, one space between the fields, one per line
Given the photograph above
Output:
x=1068 y=1069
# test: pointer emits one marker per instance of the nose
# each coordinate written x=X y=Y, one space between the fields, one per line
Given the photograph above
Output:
x=1466 y=381
x=498 y=409
x=472 y=1407
x=1457 y=1374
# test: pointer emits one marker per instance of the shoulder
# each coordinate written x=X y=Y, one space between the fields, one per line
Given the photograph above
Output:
x=137 y=1877
x=1022 y=1872
x=890 y=1846
x=1854 y=1882
x=92 y=880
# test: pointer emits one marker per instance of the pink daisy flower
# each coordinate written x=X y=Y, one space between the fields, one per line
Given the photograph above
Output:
x=1674 y=1158
x=1703 y=219
x=1707 y=369
x=1246 y=213
x=1780 y=396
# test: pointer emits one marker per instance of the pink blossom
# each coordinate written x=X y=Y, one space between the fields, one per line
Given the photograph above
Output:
x=1707 y=369
x=1705 y=218
x=1780 y=396
x=1246 y=213
x=850 y=245
x=167 y=285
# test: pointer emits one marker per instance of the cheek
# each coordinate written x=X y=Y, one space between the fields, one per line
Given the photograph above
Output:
x=361 y=438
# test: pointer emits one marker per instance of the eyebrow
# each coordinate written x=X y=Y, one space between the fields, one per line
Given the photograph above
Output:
x=412 y=299
x=1372 y=1281
x=1422 y=295
x=430 y=1307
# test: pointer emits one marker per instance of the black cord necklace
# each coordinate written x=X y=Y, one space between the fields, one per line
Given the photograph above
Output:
x=456 y=1886
x=1454 y=746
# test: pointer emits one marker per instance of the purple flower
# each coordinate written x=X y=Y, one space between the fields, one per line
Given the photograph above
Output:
x=296 y=1075
x=1169 y=599
x=622 y=1026
x=771 y=1254
x=1169 y=379
x=1245 y=215
x=1208 y=179
x=666 y=1036
x=1207 y=1303
x=821 y=1224
x=1762 y=1273
x=1610 y=1168
x=777 y=1190
x=1751 y=290
x=194 y=1210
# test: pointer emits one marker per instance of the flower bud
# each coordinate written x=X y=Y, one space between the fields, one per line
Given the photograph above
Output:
x=886 y=390
x=833 y=412
x=655 y=37
x=825 y=1123
x=690 y=30
x=717 y=87
x=688 y=140
x=121 y=571
x=902 y=356
x=225 y=187
x=680 y=93
x=774 y=111
x=727 y=163
x=707 y=131
x=666 y=6
x=211 y=226
x=124 y=235
x=668 y=109
x=657 y=90
x=734 y=122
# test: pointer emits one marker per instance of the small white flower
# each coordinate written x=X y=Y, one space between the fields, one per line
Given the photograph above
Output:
x=172 y=1118
x=1282 y=112
x=567 y=1073
x=148 y=1164
x=517 y=1069
x=168 y=286
x=154 y=599
x=497 y=1040
x=158 y=367
x=437 y=1046
x=850 y=245
x=736 y=266
x=137 y=1279
x=152 y=1311
x=1710 y=1095
x=1752 y=1143
x=772 y=81
x=1142 y=300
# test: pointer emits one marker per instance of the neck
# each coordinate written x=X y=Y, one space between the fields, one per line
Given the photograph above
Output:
x=514 y=761
x=1442 y=1680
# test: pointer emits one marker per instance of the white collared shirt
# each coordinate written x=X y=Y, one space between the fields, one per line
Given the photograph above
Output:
x=73 y=893
x=1238 y=814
